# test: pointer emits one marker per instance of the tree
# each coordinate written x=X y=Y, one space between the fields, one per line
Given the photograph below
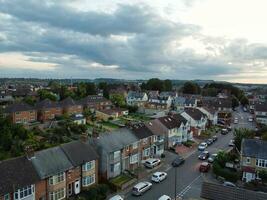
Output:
x=244 y=100
x=118 y=100
x=157 y=84
x=104 y=86
x=45 y=94
x=29 y=100
x=240 y=134
x=90 y=89
x=167 y=85
x=263 y=175
x=191 y=88
x=81 y=90
x=264 y=136
x=235 y=102
x=64 y=92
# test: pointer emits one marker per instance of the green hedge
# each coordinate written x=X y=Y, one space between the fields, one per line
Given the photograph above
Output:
x=225 y=173
x=98 y=192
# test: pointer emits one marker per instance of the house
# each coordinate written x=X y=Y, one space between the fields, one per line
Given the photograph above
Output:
x=261 y=113
x=84 y=160
x=96 y=102
x=174 y=128
x=190 y=102
x=19 y=180
x=146 y=141
x=197 y=120
x=211 y=114
x=113 y=113
x=178 y=103
x=78 y=119
x=120 y=90
x=135 y=98
x=118 y=151
x=71 y=107
x=253 y=158
x=5 y=97
x=219 y=104
x=48 y=110
x=55 y=170
x=21 y=113
x=160 y=102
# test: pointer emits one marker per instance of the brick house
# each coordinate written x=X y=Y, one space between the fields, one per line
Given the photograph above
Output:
x=21 y=113
x=118 y=151
x=253 y=158
x=18 y=180
x=48 y=110
x=110 y=113
x=96 y=102
x=71 y=107
x=85 y=166
x=146 y=141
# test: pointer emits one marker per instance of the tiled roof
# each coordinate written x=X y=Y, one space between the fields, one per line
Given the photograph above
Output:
x=46 y=103
x=16 y=173
x=155 y=127
x=79 y=152
x=19 y=107
x=94 y=99
x=262 y=107
x=141 y=131
x=254 y=148
x=68 y=102
x=194 y=113
x=171 y=122
x=134 y=94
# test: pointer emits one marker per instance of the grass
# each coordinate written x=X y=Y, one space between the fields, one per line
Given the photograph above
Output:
x=120 y=180
x=108 y=125
x=138 y=117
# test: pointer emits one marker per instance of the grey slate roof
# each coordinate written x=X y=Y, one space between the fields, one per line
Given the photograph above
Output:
x=79 y=152
x=115 y=140
x=46 y=103
x=18 y=107
x=68 y=102
x=172 y=121
x=16 y=173
x=194 y=113
x=141 y=131
x=51 y=161
x=134 y=94
x=254 y=148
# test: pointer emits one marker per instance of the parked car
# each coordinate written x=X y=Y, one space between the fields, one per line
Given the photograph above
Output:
x=236 y=120
x=231 y=143
x=209 y=141
x=204 y=155
x=202 y=146
x=224 y=131
x=229 y=184
x=204 y=167
x=250 y=119
x=212 y=157
x=116 y=197
x=152 y=162
x=229 y=128
x=141 y=188
x=164 y=197
x=178 y=161
x=159 y=176
x=214 y=138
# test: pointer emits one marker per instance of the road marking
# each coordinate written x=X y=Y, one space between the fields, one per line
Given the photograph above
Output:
x=187 y=188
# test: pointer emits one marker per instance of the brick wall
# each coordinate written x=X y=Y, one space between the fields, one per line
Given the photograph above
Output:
x=24 y=116
x=40 y=190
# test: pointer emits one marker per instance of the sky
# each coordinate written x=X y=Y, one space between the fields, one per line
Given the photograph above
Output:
x=221 y=40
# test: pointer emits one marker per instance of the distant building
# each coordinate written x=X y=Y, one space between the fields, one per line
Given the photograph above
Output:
x=261 y=113
x=136 y=98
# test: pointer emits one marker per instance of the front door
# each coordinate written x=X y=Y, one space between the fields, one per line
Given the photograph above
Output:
x=77 y=188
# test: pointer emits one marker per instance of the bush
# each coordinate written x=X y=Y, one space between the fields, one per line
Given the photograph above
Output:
x=225 y=173
x=98 y=192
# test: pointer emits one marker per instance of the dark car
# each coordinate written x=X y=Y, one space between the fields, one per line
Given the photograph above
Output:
x=204 y=167
x=229 y=128
x=178 y=161
x=204 y=155
x=209 y=141
x=214 y=138
x=224 y=131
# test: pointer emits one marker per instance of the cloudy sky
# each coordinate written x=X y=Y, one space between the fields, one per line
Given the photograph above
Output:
x=134 y=39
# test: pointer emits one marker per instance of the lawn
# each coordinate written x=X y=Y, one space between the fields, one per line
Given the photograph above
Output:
x=120 y=180
x=108 y=125
x=138 y=117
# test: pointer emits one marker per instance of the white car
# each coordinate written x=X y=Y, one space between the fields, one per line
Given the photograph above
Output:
x=231 y=143
x=236 y=121
x=159 y=176
x=116 y=197
x=152 y=162
x=250 y=119
x=141 y=188
x=202 y=146
x=164 y=197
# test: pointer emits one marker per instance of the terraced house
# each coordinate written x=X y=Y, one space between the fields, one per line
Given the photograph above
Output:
x=253 y=158
x=71 y=107
x=48 y=110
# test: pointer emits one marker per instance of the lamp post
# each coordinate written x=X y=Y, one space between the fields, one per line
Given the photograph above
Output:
x=175 y=181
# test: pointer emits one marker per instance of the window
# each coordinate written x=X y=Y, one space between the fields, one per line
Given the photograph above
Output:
x=145 y=141
x=155 y=138
x=117 y=154
x=146 y=152
x=134 y=159
x=17 y=113
x=89 y=180
x=89 y=165
x=24 y=192
x=7 y=197
x=261 y=163
x=57 y=195
x=248 y=160
x=57 y=178
x=127 y=148
x=135 y=145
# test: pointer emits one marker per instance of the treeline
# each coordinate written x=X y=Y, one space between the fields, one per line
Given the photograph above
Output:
x=157 y=84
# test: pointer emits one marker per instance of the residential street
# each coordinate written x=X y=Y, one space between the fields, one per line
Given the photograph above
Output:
x=189 y=179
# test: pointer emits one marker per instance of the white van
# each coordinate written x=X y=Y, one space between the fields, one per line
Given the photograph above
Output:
x=141 y=188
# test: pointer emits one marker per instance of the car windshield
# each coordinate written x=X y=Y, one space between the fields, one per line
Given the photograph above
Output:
x=155 y=176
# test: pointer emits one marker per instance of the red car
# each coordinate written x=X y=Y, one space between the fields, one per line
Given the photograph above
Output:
x=204 y=167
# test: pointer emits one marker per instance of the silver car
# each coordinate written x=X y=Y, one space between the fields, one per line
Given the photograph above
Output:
x=141 y=188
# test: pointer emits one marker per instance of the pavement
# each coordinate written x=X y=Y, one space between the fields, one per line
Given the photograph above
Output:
x=188 y=178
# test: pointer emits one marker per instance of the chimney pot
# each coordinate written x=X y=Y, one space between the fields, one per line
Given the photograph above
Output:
x=84 y=137
x=29 y=152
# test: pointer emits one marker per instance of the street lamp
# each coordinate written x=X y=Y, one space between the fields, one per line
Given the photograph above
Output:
x=175 y=181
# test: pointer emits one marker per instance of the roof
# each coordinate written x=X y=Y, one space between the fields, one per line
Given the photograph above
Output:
x=135 y=94
x=254 y=148
x=94 y=99
x=172 y=121
x=16 y=173
x=115 y=140
x=50 y=161
x=261 y=107
x=46 y=103
x=194 y=113
x=189 y=101
x=18 y=107
x=112 y=111
x=68 y=102
x=155 y=127
x=217 y=102
x=141 y=131
x=79 y=152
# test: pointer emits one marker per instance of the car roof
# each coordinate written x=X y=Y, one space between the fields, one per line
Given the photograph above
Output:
x=204 y=164
x=157 y=173
x=141 y=184
x=164 y=197
x=116 y=197
x=203 y=143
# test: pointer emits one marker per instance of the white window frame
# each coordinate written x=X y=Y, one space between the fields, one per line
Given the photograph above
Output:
x=24 y=192
x=134 y=159
x=88 y=180
x=60 y=177
x=146 y=152
x=88 y=166
x=248 y=160
x=135 y=145
x=7 y=196
x=54 y=195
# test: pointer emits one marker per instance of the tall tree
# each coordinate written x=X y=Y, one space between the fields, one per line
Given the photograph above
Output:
x=191 y=88
x=235 y=102
x=244 y=101
x=240 y=134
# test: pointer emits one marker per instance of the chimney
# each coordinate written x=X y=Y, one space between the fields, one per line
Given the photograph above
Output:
x=29 y=151
x=84 y=137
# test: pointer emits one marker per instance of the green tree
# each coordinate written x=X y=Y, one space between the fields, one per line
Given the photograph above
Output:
x=167 y=85
x=191 y=88
x=264 y=136
x=244 y=101
x=240 y=134
x=263 y=176
x=64 y=92
x=90 y=89
x=29 y=100
x=82 y=90
x=235 y=102
x=104 y=86
x=45 y=94
x=118 y=100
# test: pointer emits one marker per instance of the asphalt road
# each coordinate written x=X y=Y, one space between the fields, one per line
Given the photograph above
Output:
x=189 y=179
